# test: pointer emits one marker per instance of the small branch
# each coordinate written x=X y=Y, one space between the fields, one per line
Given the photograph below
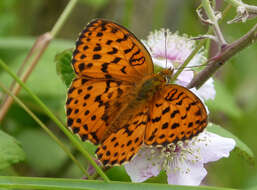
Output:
x=249 y=8
x=217 y=61
x=214 y=21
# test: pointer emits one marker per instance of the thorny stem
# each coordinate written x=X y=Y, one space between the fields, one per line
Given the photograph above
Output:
x=214 y=21
x=214 y=63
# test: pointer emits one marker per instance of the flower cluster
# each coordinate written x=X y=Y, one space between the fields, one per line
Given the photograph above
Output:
x=183 y=162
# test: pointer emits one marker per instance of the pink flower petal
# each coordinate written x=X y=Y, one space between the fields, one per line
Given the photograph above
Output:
x=185 y=172
x=144 y=165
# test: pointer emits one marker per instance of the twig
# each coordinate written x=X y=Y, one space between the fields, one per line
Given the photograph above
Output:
x=214 y=63
x=214 y=21
x=249 y=8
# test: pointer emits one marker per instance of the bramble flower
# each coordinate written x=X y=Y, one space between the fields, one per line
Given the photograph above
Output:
x=184 y=161
x=174 y=53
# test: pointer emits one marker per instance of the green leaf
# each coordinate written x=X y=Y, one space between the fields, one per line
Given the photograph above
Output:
x=40 y=150
x=63 y=66
x=73 y=184
x=224 y=101
x=10 y=151
x=241 y=147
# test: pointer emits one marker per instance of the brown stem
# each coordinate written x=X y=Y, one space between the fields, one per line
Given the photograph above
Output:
x=41 y=44
x=214 y=63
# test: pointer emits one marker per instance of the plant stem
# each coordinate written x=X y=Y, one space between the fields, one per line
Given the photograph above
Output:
x=249 y=8
x=214 y=63
x=39 y=47
x=214 y=21
x=44 y=127
x=188 y=59
x=72 y=138
x=128 y=13
x=67 y=11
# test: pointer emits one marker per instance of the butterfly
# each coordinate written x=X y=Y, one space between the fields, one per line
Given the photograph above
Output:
x=116 y=100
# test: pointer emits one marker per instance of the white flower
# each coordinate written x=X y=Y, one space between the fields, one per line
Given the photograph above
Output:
x=183 y=162
x=171 y=50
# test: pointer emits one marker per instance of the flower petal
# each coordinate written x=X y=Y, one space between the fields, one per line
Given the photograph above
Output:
x=213 y=147
x=185 y=172
x=207 y=91
x=185 y=77
x=146 y=164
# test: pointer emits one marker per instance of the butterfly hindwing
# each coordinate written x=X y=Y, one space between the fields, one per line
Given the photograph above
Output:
x=122 y=146
x=176 y=115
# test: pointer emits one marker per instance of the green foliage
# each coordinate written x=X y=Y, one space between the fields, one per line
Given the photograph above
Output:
x=34 y=141
x=10 y=151
x=224 y=101
x=63 y=66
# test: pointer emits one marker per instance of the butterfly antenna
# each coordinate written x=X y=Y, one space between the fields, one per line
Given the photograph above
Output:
x=165 y=41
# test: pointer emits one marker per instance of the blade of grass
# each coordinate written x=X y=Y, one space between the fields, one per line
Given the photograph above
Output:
x=12 y=182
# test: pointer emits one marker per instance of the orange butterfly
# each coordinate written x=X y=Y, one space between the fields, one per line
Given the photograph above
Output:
x=117 y=101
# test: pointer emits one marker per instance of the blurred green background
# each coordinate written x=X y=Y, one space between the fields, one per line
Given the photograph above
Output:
x=235 y=106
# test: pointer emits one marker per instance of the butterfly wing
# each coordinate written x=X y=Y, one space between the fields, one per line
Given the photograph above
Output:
x=108 y=61
x=106 y=50
x=176 y=115
x=91 y=104
x=121 y=146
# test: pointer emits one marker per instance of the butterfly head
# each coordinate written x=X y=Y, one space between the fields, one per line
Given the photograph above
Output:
x=166 y=74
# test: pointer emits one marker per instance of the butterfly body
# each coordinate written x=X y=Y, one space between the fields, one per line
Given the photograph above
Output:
x=118 y=102
x=138 y=96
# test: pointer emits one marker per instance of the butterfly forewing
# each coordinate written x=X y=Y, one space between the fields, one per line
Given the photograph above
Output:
x=92 y=104
x=106 y=50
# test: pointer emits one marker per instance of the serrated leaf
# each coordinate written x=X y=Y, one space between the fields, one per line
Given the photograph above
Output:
x=241 y=147
x=10 y=151
x=63 y=66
